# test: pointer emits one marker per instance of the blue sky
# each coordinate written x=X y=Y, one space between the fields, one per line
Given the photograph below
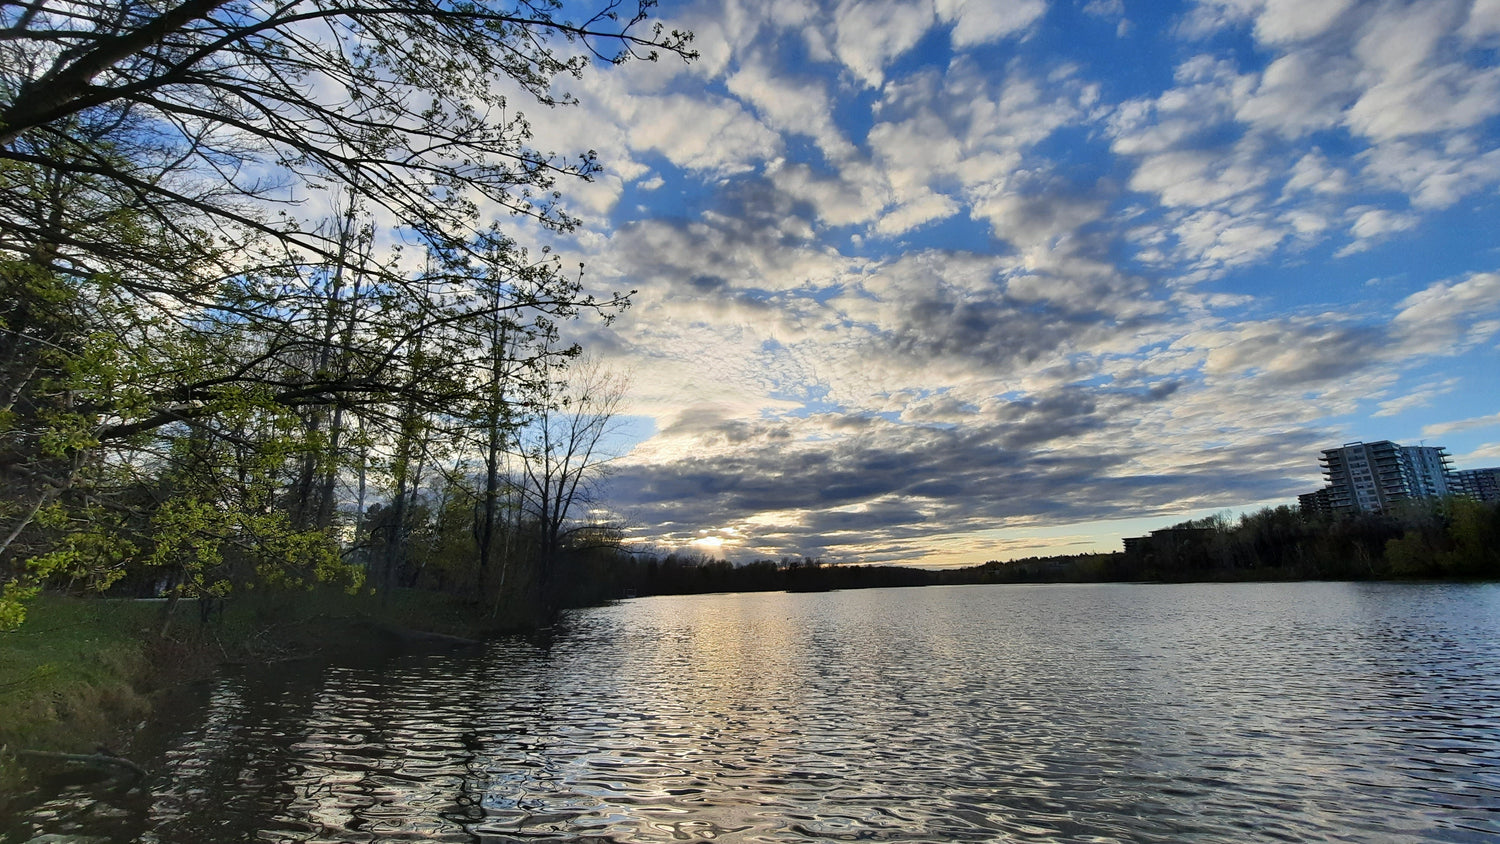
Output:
x=940 y=282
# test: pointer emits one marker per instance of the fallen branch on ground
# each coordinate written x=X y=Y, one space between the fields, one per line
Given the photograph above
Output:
x=102 y=759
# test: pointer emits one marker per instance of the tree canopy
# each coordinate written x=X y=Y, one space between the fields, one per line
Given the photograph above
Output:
x=189 y=361
x=196 y=114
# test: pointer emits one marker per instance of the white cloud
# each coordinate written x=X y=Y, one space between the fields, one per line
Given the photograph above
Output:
x=1211 y=239
x=1473 y=423
x=1211 y=16
x=984 y=21
x=1109 y=9
x=597 y=197
x=1488 y=453
x=856 y=195
x=1397 y=77
x=1483 y=23
x=1437 y=100
x=1376 y=222
x=1313 y=172
x=943 y=141
x=1274 y=21
x=1399 y=38
x=787 y=14
x=1300 y=92
x=1306 y=225
x=1193 y=178
x=914 y=212
x=1372 y=225
x=724 y=29
x=958 y=138
x=1410 y=401
x=868 y=34
x=700 y=134
x=1041 y=220
x=1433 y=177
x=1205 y=95
x=1284 y=21
x=792 y=106
x=1447 y=317
x=1412 y=85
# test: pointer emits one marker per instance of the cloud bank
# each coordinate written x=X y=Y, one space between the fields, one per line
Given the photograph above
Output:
x=915 y=274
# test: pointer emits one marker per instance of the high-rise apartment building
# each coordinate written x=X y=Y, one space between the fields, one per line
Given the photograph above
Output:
x=1478 y=484
x=1316 y=503
x=1371 y=477
x=1428 y=470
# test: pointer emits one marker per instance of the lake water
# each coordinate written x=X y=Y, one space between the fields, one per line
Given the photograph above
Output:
x=1247 y=712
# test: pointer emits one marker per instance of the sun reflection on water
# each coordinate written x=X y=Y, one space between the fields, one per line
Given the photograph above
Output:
x=1110 y=713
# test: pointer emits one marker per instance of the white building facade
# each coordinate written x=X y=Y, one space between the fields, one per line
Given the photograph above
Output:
x=1373 y=477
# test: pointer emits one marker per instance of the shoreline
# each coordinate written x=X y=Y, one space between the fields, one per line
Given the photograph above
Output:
x=83 y=674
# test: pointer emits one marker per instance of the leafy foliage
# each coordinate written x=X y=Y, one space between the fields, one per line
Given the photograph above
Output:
x=1443 y=538
x=194 y=381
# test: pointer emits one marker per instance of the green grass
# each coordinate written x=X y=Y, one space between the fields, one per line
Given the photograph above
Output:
x=70 y=676
x=81 y=671
x=264 y=623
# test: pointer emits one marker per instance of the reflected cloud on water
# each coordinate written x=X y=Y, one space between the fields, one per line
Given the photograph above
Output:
x=1068 y=713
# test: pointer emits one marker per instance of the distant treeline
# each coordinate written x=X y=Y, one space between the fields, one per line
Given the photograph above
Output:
x=1453 y=538
x=1448 y=538
x=609 y=574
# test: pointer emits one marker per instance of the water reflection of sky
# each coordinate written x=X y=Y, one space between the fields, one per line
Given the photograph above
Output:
x=1131 y=713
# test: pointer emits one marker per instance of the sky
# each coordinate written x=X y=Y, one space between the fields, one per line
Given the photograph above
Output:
x=936 y=282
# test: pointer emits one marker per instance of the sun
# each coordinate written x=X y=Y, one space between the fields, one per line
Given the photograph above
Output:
x=708 y=543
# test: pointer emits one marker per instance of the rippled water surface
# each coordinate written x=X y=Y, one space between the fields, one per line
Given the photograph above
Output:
x=1009 y=713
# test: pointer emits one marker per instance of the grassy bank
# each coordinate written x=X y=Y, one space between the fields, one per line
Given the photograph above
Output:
x=84 y=672
x=72 y=676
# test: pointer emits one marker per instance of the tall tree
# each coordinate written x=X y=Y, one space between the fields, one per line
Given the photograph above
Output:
x=566 y=448
x=151 y=290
